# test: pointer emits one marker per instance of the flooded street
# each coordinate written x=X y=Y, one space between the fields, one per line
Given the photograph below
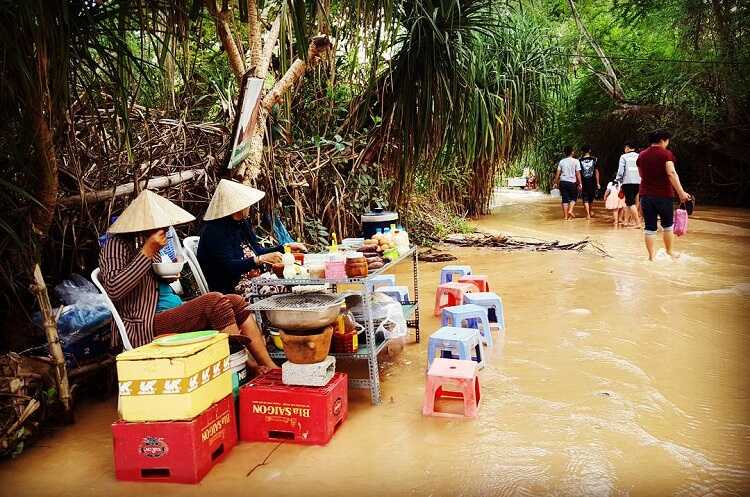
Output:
x=615 y=377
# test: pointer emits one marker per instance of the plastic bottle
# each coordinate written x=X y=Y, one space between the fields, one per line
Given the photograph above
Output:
x=334 y=246
x=402 y=240
x=288 y=260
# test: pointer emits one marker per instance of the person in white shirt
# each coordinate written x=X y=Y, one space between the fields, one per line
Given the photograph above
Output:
x=630 y=179
x=568 y=179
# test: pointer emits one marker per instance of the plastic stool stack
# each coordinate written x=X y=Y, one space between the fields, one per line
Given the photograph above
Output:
x=462 y=377
x=456 y=343
x=473 y=315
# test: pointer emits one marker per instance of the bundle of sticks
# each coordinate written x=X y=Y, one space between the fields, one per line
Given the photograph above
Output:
x=481 y=239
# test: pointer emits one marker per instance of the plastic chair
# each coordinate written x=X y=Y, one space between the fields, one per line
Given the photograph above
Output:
x=475 y=317
x=375 y=282
x=458 y=374
x=398 y=293
x=479 y=280
x=115 y=315
x=449 y=294
x=446 y=274
x=456 y=343
x=191 y=254
x=492 y=302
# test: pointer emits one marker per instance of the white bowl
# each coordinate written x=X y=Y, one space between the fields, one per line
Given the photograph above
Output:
x=167 y=269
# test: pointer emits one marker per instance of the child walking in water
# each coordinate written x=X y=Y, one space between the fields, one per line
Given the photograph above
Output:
x=613 y=202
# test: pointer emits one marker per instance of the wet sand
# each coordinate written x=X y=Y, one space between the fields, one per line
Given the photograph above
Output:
x=615 y=377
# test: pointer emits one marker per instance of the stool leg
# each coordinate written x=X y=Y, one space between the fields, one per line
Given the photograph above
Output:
x=445 y=319
x=428 y=406
x=484 y=322
x=464 y=352
x=479 y=350
x=431 y=349
x=438 y=301
x=500 y=314
x=471 y=402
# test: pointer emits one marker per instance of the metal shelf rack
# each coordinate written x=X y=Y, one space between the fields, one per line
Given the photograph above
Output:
x=365 y=352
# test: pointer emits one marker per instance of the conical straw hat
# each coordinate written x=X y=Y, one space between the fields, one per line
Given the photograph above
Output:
x=147 y=212
x=231 y=197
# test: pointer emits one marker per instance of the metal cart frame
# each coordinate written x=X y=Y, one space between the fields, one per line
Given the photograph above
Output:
x=372 y=349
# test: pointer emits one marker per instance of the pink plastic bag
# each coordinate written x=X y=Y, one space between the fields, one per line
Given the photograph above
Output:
x=680 y=221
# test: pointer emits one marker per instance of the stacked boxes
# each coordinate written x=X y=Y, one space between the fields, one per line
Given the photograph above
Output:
x=176 y=409
x=175 y=451
x=271 y=411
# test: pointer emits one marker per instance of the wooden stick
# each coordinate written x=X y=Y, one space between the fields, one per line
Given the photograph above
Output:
x=153 y=183
x=39 y=288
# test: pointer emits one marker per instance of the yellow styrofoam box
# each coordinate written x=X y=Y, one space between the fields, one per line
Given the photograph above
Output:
x=159 y=383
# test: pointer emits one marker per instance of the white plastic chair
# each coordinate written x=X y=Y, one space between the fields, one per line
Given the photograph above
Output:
x=115 y=315
x=190 y=244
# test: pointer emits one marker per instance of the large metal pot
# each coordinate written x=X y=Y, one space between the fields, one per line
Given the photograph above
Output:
x=302 y=320
x=300 y=312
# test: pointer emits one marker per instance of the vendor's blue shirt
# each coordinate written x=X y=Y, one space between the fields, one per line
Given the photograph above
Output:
x=167 y=298
x=221 y=256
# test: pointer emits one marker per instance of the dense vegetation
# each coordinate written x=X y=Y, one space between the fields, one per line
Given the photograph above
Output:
x=418 y=105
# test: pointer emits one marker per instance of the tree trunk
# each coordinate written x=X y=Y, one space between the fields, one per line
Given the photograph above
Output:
x=227 y=39
x=253 y=25
x=46 y=167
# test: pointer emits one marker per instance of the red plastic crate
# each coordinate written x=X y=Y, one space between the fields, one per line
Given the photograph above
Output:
x=175 y=451
x=270 y=411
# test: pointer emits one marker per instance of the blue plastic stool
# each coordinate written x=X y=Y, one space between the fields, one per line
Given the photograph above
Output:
x=474 y=315
x=399 y=293
x=380 y=280
x=492 y=302
x=446 y=274
x=456 y=343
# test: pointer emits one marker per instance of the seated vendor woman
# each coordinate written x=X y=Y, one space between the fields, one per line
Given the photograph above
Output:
x=147 y=304
x=228 y=247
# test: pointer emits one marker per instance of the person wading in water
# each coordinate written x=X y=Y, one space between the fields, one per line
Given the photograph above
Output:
x=659 y=182
x=568 y=178
x=628 y=177
x=590 y=179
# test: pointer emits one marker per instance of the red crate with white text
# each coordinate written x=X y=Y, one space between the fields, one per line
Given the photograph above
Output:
x=175 y=451
x=270 y=411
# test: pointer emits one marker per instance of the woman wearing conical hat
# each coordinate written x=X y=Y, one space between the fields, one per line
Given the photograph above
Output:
x=147 y=305
x=228 y=247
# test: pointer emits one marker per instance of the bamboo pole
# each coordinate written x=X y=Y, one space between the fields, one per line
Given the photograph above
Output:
x=153 y=183
x=39 y=288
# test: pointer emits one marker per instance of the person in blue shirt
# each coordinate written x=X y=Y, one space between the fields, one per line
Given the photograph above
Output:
x=229 y=247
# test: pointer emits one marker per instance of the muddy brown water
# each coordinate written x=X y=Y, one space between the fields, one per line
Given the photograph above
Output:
x=615 y=377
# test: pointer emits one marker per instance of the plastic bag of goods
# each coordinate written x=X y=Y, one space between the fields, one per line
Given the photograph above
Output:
x=387 y=316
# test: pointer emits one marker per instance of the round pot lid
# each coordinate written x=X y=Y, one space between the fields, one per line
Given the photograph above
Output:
x=379 y=215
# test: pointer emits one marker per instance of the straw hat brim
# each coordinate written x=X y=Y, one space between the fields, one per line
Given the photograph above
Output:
x=149 y=211
x=231 y=197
